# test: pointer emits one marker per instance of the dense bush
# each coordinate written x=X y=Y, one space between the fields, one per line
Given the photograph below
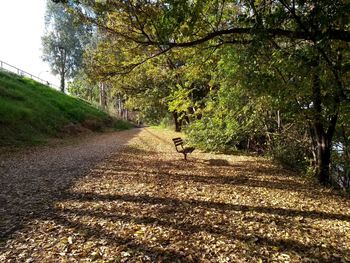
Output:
x=210 y=134
x=290 y=152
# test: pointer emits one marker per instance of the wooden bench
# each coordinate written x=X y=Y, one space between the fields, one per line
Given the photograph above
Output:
x=180 y=148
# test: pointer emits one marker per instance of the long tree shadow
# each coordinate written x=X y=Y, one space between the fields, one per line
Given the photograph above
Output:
x=158 y=209
x=189 y=228
x=243 y=174
x=156 y=254
x=28 y=191
x=240 y=180
x=146 y=199
x=138 y=187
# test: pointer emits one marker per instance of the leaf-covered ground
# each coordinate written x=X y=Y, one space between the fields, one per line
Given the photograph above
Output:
x=146 y=204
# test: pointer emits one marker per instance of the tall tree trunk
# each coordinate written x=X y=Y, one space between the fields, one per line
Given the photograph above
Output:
x=103 y=95
x=323 y=155
x=176 y=121
x=187 y=119
x=322 y=138
x=120 y=107
x=63 y=68
x=279 y=121
x=62 y=80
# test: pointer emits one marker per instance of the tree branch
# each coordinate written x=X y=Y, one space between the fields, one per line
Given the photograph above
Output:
x=130 y=67
x=333 y=34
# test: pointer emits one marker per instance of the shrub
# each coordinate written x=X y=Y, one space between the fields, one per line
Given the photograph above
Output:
x=121 y=125
x=290 y=153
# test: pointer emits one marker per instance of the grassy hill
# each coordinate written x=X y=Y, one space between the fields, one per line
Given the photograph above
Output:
x=30 y=112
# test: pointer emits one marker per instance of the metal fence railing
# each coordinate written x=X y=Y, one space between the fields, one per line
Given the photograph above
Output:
x=7 y=67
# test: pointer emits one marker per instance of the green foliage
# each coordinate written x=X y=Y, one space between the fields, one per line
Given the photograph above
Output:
x=251 y=70
x=290 y=153
x=209 y=134
x=145 y=90
x=120 y=125
x=83 y=88
x=230 y=121
x=167 y=122
x=30 y=111
x=64 y=41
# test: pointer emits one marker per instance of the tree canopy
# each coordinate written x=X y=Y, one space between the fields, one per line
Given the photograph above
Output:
x=63 y=42
x=268 y=76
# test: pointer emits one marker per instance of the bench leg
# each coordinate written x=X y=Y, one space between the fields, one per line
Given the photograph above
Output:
x=185 y=156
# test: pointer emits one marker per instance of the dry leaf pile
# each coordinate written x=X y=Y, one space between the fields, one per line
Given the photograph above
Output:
x=146 y=204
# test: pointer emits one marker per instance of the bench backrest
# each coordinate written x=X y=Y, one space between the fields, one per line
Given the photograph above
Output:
x=178 y=141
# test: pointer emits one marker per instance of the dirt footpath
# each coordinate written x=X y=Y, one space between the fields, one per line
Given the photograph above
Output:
x=32 y=178
x=131 y=198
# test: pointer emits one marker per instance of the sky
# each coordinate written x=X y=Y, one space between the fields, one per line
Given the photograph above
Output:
x=21 y=28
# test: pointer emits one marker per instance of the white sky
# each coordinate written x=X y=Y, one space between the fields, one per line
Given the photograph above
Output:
x=21 y=28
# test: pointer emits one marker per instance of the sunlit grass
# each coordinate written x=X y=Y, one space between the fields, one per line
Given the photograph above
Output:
x=31 y=111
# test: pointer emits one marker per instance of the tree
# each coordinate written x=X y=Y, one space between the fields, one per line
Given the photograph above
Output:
x=63 y=42
x=313 y=36
x=84 y=88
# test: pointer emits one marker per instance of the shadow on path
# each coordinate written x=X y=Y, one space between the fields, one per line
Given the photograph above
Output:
x=31 y=182
x=184 y=210
x=145 y=199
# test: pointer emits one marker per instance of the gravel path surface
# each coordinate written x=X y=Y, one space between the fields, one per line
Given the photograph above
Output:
x=32 y=178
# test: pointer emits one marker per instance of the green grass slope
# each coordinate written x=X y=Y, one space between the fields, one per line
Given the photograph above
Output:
x=31 y=112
